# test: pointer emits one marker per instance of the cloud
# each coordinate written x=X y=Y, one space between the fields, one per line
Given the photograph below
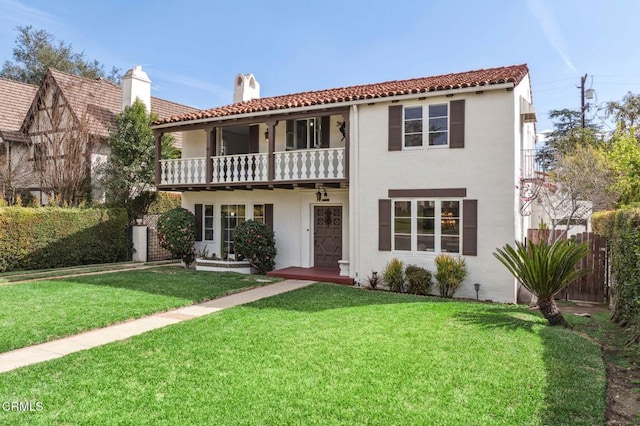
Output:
x=223 y=94
x=544 y=14
x=14 y=13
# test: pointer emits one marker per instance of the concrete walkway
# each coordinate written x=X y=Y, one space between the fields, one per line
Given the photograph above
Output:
x=90 y=339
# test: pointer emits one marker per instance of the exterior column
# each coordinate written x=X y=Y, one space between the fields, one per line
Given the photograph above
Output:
x=271 y=128
x=158 y=139
x=347 y=132
x=210 y=152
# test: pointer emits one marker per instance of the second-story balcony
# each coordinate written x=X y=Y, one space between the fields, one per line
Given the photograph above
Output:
x=324 y=164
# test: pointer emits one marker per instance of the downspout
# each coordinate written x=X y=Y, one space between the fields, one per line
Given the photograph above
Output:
x=354 y=194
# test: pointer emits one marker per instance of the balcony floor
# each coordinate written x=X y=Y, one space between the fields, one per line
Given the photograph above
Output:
x=327 y=275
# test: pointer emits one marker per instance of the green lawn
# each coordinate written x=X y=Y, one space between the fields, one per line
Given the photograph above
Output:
x=328 y=355
x=46 y=310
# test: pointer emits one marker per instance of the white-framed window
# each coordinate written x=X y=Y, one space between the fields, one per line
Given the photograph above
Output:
x=427 y=225
x=207 y=222
x=303 y=134
x=258 y=213
x=435 y=133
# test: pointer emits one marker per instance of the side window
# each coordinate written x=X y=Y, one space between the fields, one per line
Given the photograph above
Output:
x=412 y=127
x=208 y=222
x=258 y=213
x=438 y=125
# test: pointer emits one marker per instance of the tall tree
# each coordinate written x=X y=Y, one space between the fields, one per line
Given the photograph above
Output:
x=566 y=136
x=129 y=172
x=625 y=156
x=626 y=113
x=37 y=50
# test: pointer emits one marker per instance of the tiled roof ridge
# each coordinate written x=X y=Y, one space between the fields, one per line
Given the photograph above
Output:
x=175 y=103
x=357 y=92
x=18 y=82
x=80 y=77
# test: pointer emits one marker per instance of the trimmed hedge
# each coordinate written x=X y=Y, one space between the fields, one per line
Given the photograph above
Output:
x=53 y=237
x=622 y=227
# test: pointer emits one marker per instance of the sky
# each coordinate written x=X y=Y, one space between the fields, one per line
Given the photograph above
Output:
x=193 y=49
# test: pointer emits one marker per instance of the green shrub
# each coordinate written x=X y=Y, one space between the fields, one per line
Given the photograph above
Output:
x=53 y=237
x=624 y=241
x=450 y=274
x=603 y=223
x=177 y=233
x=256 y=243
x=164 y=202
x=393 y=275
x=419 y=280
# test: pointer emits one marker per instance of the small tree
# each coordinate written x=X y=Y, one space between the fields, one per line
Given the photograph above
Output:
x=544 y=269
x=256 y=242
x=129 y=171
x=177 y=233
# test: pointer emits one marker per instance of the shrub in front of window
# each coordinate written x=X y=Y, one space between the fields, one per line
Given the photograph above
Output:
x=177 y=233
x=419 y=280
x=450 y=274
x=393 y=275
x=255 y=241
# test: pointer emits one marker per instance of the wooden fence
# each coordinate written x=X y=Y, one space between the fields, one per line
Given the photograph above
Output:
x=591 y=287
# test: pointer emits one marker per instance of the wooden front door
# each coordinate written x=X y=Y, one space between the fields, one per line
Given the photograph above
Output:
x=327 y=239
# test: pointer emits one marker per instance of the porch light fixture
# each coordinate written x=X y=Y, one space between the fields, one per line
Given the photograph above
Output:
x=322 y=196
x=477 y=287
x=266 y=136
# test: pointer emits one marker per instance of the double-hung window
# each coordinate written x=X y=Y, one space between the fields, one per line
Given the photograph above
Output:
x=436 y=131
x=427 y=225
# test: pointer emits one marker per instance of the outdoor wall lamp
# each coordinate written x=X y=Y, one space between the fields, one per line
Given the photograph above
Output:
x=477 y=287
x=266 y=136
x=322 y=196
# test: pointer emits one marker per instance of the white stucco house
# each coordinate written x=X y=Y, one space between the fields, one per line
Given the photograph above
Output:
x=352 y=177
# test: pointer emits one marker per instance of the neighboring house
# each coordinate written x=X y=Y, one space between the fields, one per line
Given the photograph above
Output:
x=69 y=116
x=353 y=177
x=15 y=101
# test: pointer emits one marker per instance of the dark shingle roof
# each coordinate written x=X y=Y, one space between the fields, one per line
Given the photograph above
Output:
x=100 y=100
x=478 y=78
x=15 y=100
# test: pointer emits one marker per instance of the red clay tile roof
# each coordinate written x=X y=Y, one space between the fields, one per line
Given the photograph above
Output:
x=15 y=100
x=478 y=78
x=100 y=100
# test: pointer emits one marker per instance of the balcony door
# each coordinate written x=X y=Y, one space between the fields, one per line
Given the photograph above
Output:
x=327 y=237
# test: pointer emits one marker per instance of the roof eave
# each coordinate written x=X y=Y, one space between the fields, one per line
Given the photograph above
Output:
x=381 y=99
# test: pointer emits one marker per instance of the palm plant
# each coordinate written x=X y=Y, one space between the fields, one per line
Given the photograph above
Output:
x=544 y=269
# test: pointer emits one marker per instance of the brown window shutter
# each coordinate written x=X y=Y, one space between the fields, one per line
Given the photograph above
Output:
x=268 y=215
x=325 y=130
x=198 y=214
x=395 y=127
x=254 y=139
x=456 y=124
x=384 y=225
x=470 y=227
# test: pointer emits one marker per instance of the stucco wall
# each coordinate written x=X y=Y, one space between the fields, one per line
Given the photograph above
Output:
x=485 y=167
x=292 y=219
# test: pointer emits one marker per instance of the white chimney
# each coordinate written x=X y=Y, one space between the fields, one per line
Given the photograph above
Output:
x=136 y=84
x=245 y=88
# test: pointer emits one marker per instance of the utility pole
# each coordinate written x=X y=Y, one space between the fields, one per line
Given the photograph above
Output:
x=583 y=106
